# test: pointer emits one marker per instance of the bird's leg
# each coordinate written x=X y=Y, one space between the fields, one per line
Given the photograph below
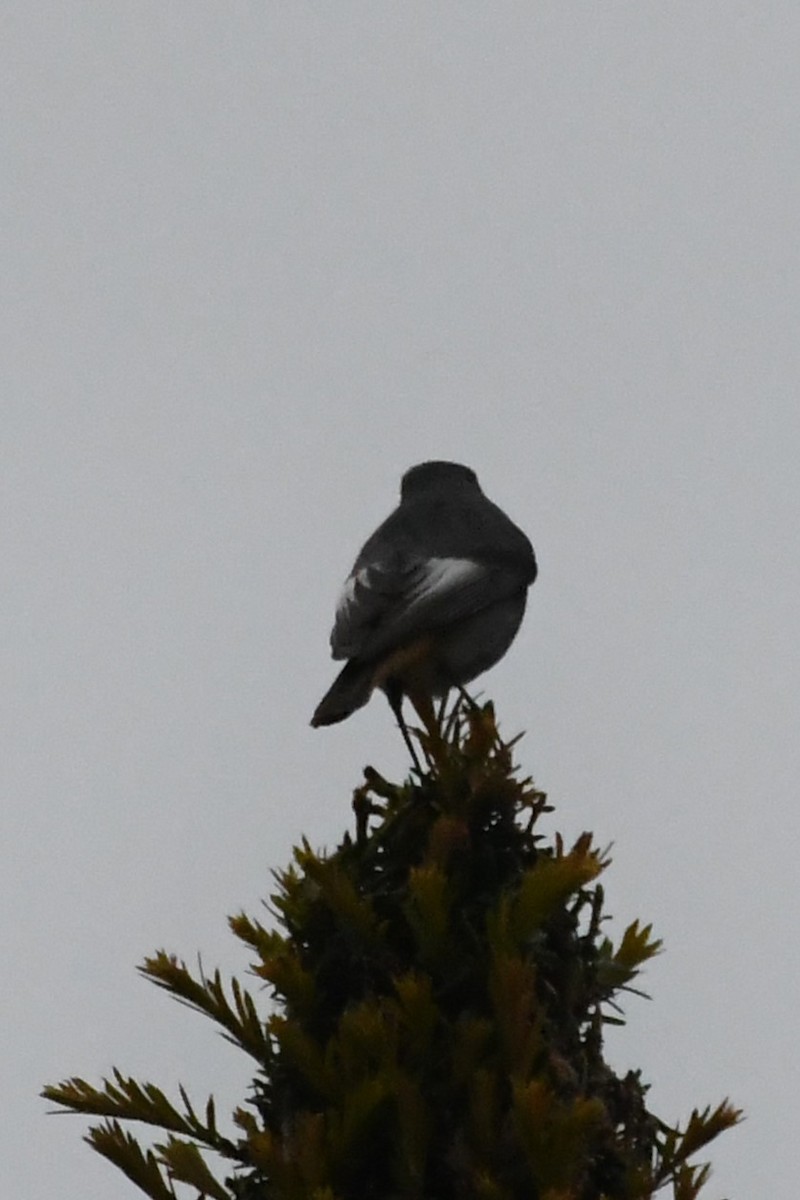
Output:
x=448 y=722
x=469 y=702
x=394 y=694
x=466 y=710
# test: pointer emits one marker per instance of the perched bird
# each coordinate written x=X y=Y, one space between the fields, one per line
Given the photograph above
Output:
x=435 y=597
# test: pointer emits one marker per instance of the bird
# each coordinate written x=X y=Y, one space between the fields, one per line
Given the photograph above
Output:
x=435 y=597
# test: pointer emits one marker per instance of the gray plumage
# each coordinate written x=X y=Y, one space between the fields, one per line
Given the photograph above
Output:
x=447 y=566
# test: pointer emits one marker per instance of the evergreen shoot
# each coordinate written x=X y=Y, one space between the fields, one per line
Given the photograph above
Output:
x=438 y=989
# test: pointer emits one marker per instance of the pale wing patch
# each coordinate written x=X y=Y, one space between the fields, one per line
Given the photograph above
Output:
x=438 y=576
x=429 y=579
x=347 y=596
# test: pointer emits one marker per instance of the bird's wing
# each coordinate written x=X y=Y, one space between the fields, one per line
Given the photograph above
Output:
x=384 y=604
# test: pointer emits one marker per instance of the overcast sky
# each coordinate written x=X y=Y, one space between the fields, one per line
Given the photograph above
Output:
x=258 y=259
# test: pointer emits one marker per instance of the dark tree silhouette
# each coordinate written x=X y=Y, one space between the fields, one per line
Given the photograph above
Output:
x=440 y=986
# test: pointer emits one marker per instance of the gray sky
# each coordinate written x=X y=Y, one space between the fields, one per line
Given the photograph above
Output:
x=257 y=260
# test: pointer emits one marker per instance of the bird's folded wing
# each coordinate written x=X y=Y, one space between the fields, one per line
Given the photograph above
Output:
x=383 y=605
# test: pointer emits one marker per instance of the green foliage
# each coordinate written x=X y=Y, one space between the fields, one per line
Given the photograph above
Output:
x=439 y=989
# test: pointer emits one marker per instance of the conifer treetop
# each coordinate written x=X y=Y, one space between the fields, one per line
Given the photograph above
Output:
x=438 y=988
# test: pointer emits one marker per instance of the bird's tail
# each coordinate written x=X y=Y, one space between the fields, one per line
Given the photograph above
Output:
x=350 y=690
